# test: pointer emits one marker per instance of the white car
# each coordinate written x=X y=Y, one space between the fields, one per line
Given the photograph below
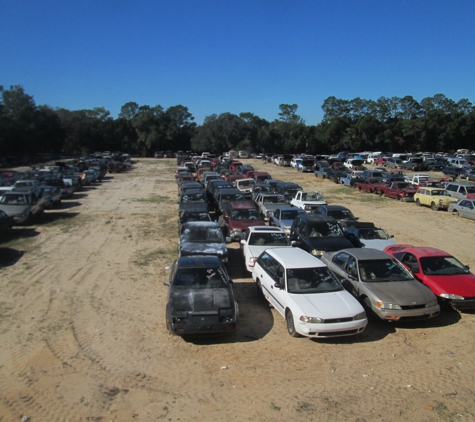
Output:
x=257 y=239
x=295 y=162
x=307 y=294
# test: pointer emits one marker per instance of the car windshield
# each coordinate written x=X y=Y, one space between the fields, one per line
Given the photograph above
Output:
x=232 y=197
x=203 y=234
x=247 y=183
x=266 y=239
x=273 y=200
x=325 y=230
x=290 y=215
x=402 y=185
x=245 y=214
x=382 y=270
x=312 y=196
x=442 y=265
x=373 y=234
x=470 y=189
x=312 y=280
x=14 y=199
x=195 y=216
x=341 y=214
x=200 y=278
x=192 y=198
x=291 y=192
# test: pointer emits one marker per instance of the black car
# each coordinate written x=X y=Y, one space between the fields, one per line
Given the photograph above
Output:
x=318 y=234
x=453 y=172
x=192 y=212
x=341 y=214
x=201 y=298
x=203 y=238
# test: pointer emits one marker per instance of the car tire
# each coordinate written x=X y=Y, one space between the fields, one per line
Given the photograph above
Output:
x=289 y=318
x=418 y=203
x=433 y=206
x=456 y=213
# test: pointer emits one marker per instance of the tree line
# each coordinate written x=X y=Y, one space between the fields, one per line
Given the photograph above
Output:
x=388 y=124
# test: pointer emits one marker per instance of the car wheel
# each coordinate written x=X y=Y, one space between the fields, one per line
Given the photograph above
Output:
x=456 y=213
x=418 y=203
x=433 y=206
x=290 y=324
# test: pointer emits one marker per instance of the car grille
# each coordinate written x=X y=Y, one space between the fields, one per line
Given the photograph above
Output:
x=334 y=320
x=413 y=307
x=334 y=333
x=416 y=317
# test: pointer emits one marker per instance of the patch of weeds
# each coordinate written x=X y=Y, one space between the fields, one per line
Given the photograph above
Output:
x=152 y=256
x=155 y=199
x=66 y=222
x=443 y=411
x=274 y=407
x=305 y=407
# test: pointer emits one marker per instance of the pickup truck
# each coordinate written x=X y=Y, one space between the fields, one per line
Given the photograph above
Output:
x=403 y=191
x=418 y=178
x=350 y=179
x=308 y=200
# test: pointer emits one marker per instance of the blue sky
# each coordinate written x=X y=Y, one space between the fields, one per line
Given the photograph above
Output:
x=216 y=56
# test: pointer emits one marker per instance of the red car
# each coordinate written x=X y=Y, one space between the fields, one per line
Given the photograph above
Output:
x=237 y=216
x=449 y=279
x=403 y=191
x=369 y=185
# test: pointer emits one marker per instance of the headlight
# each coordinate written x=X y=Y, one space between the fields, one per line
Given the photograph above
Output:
x=430 y=304
x=361 y=315
x=311 y=320
x=384 y=305
x=252 y=261
x=451 y=296
x=316 y=252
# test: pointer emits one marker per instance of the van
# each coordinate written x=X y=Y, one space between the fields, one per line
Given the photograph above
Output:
x=461 y=190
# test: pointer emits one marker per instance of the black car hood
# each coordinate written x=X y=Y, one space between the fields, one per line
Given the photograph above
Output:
x=205 y=248
x=201 y=301
x=329 y=244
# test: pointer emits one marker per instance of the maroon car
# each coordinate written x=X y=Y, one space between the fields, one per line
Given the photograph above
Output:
x=369 y=185
x=237 y=216
x=403 y=191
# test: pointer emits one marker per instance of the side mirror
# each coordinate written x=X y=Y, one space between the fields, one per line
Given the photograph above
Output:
x=166 y=283
x=352 y=277
x=243 y=242
x=279 y=286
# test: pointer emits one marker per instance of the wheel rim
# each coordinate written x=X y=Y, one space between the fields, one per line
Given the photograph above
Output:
x=290 y=323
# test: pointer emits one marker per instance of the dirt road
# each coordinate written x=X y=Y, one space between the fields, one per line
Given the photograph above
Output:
x=83 y=338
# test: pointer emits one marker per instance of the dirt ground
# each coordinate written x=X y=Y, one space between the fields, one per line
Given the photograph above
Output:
x=83 y=337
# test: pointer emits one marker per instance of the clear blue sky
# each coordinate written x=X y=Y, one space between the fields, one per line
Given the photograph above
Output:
x=216 y=56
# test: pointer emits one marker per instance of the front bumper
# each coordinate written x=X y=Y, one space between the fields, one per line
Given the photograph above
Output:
x=337 y=329
x=463 y=304
x=407 y=314
x=205 y=325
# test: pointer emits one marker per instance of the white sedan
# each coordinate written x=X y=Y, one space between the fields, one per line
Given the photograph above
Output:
x=307 y=294
x=256 y=239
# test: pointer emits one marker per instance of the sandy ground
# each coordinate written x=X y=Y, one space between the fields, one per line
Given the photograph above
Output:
x=83 y=337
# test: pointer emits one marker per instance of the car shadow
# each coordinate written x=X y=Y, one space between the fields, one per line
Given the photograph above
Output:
x=18 y=233
x=9 y=256
x=77 y=195
x=51 y=217
x=69 y=204
x=446 y=318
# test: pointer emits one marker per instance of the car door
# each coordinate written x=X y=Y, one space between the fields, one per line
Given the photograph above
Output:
x=270 y=272
x=465 y=209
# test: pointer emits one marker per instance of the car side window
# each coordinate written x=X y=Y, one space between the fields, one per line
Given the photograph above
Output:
x=351 y=268
x=340 y=259
x=410 y=261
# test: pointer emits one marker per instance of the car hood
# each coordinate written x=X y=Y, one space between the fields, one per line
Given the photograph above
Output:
x=327 y=305
x=407 y=293
x=379 y=244
x=329 y=244
x=205 y=248
x=460 y=284
x=201 y=301
x=12 y=210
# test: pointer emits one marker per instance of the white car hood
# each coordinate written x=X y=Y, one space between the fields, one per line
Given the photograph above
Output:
x=327 y=305
x=378 y=244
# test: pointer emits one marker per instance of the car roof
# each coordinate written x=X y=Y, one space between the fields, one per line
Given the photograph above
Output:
x=419 y=251
x=241 y=205
x=213 y=224
x=226 y=191
x=293 y=257
x=334 y=207
x=366 y=253
x=316 y=218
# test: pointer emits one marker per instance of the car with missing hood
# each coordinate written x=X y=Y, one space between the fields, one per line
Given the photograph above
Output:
x=200 y=299
x=307 y=294
x=369 y=235
x=257 y=239
x=382 y=284
x=449 y=279
x=203 y=238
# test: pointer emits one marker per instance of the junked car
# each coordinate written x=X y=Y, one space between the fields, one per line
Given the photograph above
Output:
x=23 y=204
x=449 y=279
x=203 y=238
x=284 y=217
x=382 y=284
x=369 y=236
x=435 y=198
x=256 y=239
x=463 y=208
x=307 y=294
x=201 y=298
